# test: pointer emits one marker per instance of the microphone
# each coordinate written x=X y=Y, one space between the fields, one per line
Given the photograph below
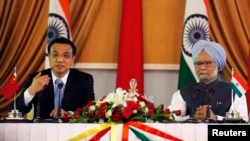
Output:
x=197 y=92
x=58 y=114
x=210 y=93
x=193 y=109
x=60 y=86
x=38 y=103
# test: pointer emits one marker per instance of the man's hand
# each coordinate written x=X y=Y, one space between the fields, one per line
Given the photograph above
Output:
x=212 y=115
x=54 y=113
x=38 y=83
x=201 y=113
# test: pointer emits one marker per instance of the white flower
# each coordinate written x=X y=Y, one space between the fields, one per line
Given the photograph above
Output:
x=92 y=108
x=120 y=91
x=98 y=103
x=142 y=103
x=135 y=111
x=135 y=99
x=109 y=98
x=125 y=104
x=108 y=114
x=118 y=98
x=146 y=110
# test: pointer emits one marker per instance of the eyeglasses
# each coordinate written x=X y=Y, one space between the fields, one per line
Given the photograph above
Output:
x=64 y=56
x=207 y=64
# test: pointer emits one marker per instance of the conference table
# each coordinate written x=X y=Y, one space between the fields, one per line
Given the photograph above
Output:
x=69 y=131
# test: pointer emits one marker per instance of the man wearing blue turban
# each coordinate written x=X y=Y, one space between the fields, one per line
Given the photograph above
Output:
x=215 y=50
x=210 y=98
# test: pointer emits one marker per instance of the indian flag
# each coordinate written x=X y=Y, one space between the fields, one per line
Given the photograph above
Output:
x=238 y=85
x=58 y=22
x=195 y=28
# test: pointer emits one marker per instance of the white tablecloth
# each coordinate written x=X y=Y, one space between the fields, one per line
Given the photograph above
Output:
x=66 y=131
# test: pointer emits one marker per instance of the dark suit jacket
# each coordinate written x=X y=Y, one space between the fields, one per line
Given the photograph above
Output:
x=217 y=94
x=78 y=91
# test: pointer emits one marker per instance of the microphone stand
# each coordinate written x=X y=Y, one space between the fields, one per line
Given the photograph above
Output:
x=57 y=119
x=208 y=119
x=37 y=118
x=14 y=112
x=193 y=109
x=58 y=114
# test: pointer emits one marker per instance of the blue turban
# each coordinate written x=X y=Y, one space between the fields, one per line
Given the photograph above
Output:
x=215 y=50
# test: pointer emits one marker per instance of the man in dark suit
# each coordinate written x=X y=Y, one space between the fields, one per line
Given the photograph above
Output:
x=39 y=90
x=210 y=98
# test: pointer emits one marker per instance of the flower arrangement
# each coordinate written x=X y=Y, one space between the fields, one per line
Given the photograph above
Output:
x=120 y=106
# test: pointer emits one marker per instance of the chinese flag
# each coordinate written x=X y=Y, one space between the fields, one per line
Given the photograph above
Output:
x=10 y=87
x=130 y=54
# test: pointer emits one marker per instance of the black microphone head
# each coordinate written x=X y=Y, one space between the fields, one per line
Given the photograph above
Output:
x=197 y=92
x=211 y=91
x=60 y=85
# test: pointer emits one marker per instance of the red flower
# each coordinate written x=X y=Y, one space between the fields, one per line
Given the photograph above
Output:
x=103 y=106
x=103 y=97
x=161 y=107
x=117 y=109
x=150 y=105
x=141 y=98
x=133 y=105
x=167 y=111
x=127 y=112
x=101 y=113
x=151 y=111
x=90 y=114
x=65 y=117
x=89 y=104
x=79 y=110
x=76 y=116
x=130 y=102
x=116 y=116
x=178 y=112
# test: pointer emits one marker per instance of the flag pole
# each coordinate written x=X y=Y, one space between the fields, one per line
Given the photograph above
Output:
x=15 y=113
x=15 y=92
x=232 y=92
